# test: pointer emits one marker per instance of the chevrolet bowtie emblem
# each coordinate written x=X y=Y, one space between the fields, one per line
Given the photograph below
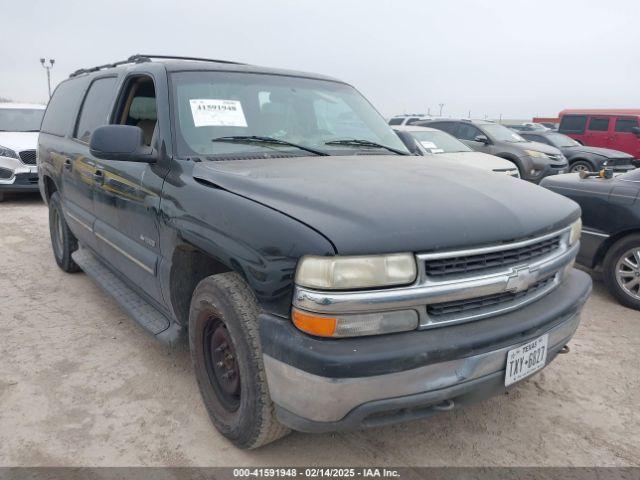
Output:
x=520 y=279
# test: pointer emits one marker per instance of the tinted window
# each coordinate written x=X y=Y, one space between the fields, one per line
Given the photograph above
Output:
x=467 y=132
x=573 y=123
x=448 y=127
x=535 y=138
x=395 y=121
x=95 y=108
x=626 y=124
x=599 y=124
x=62 y=107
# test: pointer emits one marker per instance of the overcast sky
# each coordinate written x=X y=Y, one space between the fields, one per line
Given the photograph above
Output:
x=492 y=57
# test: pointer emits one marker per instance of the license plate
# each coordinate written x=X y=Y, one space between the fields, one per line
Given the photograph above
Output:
x=525 y=360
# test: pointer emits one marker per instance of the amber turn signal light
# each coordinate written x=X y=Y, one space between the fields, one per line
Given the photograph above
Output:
x=314 y=324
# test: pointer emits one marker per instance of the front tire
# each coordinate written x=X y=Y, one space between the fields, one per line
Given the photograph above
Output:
x=227 y=358
x=581 y=166
x=63 y=242
x=622 y=271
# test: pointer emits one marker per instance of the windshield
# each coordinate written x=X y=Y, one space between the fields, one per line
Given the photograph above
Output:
x=20 y=119
x=500 y=133
x=439 y=142
x=559 y=140
x=213 y=106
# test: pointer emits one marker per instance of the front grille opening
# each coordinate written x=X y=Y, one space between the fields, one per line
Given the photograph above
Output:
x=5 y=173
x=28 y=157
x=486 y=261
x=459 y=307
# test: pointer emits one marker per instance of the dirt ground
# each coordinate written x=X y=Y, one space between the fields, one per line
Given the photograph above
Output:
x=82 y=385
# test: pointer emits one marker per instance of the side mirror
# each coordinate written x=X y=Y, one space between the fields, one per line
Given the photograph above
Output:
x=121 y=142
x=481 y=139
x=636 y=130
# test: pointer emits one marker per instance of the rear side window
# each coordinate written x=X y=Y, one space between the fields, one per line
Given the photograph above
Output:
x=395 y=121
x=62 y=108
x=96 y=108
x=573 y=123
x=448 y=127
x=599 y=124
x=626 y=124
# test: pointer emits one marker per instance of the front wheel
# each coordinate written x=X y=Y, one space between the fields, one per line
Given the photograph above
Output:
x=63 y=242
x=227 y=358
x=581 y=166
x=622 y=271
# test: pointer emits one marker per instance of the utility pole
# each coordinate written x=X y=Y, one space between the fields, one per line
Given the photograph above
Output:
x=440 y=105
x=48 y=67
x=428 y=111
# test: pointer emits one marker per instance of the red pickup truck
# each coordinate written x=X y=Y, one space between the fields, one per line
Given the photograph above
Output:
x=608 y=128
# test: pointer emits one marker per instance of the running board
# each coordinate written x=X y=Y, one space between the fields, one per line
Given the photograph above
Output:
x=145 y=314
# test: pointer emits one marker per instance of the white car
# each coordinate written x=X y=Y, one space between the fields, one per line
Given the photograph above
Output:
x=429 y=141
x=19 y=128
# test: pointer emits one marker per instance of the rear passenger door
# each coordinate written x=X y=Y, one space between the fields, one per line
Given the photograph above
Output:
x=127 y=195
x=78 y=166
x=597 y=134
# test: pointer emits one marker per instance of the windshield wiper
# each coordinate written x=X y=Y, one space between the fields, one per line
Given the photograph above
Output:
x=274 y=141
x=356 y=142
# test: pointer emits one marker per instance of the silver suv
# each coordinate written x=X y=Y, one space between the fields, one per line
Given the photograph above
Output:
x=534 y=160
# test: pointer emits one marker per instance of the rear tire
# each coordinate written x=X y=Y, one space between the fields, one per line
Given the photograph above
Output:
x=227 y=358
x=581 y=166
x=63 y=242
x=621 y=268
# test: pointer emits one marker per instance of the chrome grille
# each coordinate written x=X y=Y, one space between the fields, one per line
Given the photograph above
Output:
x=28 y=157
x=440 y=267
x=496 y=300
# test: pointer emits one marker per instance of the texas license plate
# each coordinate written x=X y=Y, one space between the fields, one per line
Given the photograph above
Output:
x=526 y=359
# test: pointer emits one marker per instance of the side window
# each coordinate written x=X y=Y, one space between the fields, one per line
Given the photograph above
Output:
x=448 y=127
x=538 y=138
x=467 y=132
x=626 y=124
x=573 y=123
x=95 y=108
x=413 y=120
x=61 y=110
x=137 y=106
x=395 y=121
x=599 y=124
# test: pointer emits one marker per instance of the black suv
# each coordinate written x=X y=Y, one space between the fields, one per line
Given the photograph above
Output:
x=274 y=218
x=534 y=160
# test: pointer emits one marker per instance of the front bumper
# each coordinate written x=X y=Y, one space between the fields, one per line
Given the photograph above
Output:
x=545 y=169
x=325 y=384
x=17 y=176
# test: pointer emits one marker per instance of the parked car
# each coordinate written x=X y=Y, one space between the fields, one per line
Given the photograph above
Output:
x=611 y=228
x=527 y=127
x=580 y=157
x=534 y=160
x=430 y=141
x=324 y=280
x=616 y=129
x=408 y=119
x=19 y=126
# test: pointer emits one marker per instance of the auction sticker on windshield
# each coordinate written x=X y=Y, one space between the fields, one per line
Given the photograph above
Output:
x=209 y=112
x=526 y=359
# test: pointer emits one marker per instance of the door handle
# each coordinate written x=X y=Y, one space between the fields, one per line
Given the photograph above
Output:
x=98 y=177
x=67 y=164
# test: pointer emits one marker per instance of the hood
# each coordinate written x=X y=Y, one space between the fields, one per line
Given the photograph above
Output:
x=605 y=152
x=476 y=160
x=382 y=204
x=540 y=147
x=19 y=141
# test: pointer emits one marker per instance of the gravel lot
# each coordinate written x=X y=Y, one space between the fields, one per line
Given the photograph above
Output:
x=82 y=385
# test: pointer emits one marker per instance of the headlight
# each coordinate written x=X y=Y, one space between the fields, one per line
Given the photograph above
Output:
x=576 y=230
x=342 y=273
x=535 y=154
x=7 y=152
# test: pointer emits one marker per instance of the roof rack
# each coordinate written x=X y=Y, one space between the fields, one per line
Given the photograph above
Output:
x=141 y=58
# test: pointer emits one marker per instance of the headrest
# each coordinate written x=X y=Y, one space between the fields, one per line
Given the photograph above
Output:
x=143 y=108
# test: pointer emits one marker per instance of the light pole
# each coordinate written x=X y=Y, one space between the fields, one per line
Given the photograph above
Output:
x=440 y=105
x=48 y=68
